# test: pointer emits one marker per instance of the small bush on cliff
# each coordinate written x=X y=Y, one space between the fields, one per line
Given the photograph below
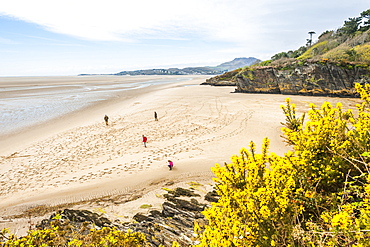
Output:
x=263 y=63
x=317 y=195
x=314 y=50
x=341 y=53
x=363 y=53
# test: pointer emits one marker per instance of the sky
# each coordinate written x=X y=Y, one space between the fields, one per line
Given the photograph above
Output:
x=71 y=37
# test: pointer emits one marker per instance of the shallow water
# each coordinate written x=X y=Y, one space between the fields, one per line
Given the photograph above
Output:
x=26 y=105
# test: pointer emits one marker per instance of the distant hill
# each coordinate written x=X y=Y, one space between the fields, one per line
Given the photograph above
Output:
x=173 y=71
x=237 y=63
x=206 y=70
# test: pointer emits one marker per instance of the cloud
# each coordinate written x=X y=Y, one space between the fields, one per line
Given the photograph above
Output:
x=145 y=19
x=161 y=32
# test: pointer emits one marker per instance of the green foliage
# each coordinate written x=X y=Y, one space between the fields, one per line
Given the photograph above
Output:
x=341 y=53
x=289 y=54
x=264 y=63
x=325 y=35
x=248 y=75
x=313 y=50
x=363 y=53
x=301 y=63
x=365 y=14
x=279 y=56
x=350 y=26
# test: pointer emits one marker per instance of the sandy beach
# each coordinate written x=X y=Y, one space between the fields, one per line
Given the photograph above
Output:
x=77 y=158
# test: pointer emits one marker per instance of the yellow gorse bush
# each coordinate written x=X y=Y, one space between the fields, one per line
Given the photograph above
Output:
x=316 y=195
x=62 y=233
x=256 y=207
x=321 y=145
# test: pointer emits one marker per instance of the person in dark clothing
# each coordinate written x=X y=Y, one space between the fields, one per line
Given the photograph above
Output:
x=106 y=119
x=155 y=116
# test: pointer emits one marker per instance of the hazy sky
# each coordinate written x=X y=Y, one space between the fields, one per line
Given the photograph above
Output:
x=69 y=37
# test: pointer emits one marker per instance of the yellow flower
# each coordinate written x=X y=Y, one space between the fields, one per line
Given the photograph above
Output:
x=309 y=194
x=341 y=220
x=265 y=212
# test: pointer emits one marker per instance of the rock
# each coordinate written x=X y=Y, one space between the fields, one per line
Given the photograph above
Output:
x=155 y=213
x=311 y=78
x=186 y=205
x=212 y=196
x=174 y=223
x=77 y=217
x=183 y=192
x=140 y=217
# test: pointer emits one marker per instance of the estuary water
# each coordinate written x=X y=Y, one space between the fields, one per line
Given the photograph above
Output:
x=28 y=101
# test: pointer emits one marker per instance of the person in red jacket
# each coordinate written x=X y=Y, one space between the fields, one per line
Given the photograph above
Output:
x=144 y=140
x=170 y=164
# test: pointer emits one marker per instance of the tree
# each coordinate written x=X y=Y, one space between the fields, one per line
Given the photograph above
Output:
x=309 y=41
x=279 y=56
x=366 y=24
x=350 y=26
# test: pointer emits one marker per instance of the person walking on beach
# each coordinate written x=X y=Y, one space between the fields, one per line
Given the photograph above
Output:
x=155 y=116
x=144 y=140
x=170 y=164
x=106 y=119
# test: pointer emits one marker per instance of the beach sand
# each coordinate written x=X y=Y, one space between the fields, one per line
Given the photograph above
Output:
x=78 y=160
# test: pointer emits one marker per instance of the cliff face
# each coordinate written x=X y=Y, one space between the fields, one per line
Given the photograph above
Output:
x=319 y=79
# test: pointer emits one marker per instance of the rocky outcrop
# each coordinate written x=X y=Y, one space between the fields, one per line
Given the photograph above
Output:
x=310 y=78
x=226 y=79
x=175 y=222
x=77 y=217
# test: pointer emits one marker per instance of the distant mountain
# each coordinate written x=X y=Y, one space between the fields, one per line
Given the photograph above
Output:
x=237 y=63
x=207 y=70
